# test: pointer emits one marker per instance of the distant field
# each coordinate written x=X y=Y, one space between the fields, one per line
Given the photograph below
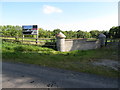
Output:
x=27 y=38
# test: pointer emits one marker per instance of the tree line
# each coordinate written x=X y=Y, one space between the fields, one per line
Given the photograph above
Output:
x=16 y=31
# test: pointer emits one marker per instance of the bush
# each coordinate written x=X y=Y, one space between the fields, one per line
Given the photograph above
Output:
x=20 y=49
x=25 y=48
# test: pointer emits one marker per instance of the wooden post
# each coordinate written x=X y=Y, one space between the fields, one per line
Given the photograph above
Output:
x=22 y=38
x=36 y=39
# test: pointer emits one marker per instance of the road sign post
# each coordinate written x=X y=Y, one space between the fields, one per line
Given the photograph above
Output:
x=30 y=30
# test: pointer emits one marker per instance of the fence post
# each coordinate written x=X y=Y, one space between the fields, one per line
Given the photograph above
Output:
x=36 y=39
x=22 y=38
x=60 y=42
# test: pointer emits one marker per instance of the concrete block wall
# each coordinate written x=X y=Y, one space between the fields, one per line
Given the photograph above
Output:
x=80 y=44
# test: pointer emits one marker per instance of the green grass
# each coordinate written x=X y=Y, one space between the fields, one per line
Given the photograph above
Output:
x=78 y=60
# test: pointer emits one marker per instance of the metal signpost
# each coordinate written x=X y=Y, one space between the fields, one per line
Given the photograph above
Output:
x=30 y=30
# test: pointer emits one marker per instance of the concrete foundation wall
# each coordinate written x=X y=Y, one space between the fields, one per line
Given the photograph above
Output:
x=80 y=44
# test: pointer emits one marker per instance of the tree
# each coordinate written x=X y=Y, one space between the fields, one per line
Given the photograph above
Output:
x=42 y=33
x=11 y=30
x=56 y=31
x=80 y=34
x=114 y=32
x=94 y=33
x=87 y=35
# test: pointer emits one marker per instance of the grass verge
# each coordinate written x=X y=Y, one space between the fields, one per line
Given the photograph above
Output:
x=79 y=60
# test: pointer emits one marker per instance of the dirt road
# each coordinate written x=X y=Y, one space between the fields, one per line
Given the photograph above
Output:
x=18 y=75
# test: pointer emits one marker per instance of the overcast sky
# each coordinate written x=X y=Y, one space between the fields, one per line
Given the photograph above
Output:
x=84 y=16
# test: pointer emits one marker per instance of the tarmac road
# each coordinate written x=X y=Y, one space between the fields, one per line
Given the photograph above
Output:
x=19 y=75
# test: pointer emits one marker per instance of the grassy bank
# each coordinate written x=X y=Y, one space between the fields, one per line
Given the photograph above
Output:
x=78 y=60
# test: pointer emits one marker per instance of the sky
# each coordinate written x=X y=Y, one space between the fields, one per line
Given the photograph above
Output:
x=74 y=16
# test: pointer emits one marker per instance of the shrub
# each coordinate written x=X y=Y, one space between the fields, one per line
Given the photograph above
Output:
x=20 y=49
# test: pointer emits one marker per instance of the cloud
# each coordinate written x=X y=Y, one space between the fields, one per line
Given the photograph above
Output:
x=50 y=9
